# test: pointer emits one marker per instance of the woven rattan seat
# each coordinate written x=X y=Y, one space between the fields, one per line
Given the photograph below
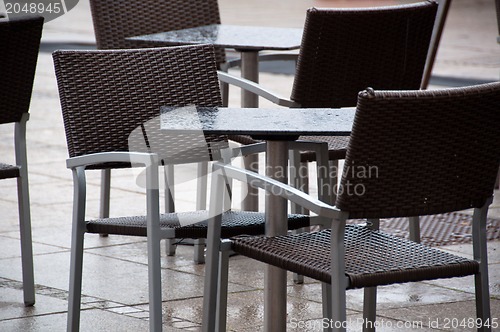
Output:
x=19 y=46
x=233 y=223
x=435 y=151
x=399 y=261
x=337 y=147
x=8 y=171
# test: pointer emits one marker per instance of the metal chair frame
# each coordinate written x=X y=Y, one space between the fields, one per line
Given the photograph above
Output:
x=20 y=40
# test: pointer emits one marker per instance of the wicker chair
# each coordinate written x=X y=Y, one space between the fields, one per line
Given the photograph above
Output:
x=20 y=40
x=345 y=50
x=435 y=129
x=497 y=6
x=114 y=20
x=107 y=97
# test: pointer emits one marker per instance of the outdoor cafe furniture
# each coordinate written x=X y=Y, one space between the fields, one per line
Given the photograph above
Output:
x=345 y=50
x=19 y=45
x=249 y=41
x=434 y=129
x=280 y=127
x=111 y=102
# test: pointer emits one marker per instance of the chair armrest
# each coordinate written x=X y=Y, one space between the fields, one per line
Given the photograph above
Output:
x=146 y=159
x=277 y=188
x=256 y=89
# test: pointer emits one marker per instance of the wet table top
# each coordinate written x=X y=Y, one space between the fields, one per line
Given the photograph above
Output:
x=239 y=37
x=262 y=123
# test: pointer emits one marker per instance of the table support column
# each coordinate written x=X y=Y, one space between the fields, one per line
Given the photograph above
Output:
x=276 y=224
x=250 y=71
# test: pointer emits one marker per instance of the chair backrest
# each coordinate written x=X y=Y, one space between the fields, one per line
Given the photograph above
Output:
x=114 y=20
x=422 y=152
x=106 y=94
x=497 y=6
x=19 y=46
x=344 y=51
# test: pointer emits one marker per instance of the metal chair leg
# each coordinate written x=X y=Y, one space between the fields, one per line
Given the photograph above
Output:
x=481 y=279
x=339 y=282
x=370 y=294
x=414 y=228
x=326 y=291
x=369 y=309
x=201 y=186
x=210 y=293
x=24 y=213
x=199 y=251
x=170 y=246
x=221 y=318
x=76 y=264
x=153 y=245
x=105 y=195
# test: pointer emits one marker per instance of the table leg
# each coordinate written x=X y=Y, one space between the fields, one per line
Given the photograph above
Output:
x=250 y=71
x=276 y=224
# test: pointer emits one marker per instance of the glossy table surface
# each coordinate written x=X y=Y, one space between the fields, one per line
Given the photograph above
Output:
x=264 y=123
x=239 y=37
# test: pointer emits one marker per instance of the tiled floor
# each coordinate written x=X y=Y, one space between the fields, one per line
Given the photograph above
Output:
x=115 y=271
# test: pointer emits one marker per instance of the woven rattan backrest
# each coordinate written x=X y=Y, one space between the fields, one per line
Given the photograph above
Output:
x=114 y=20
x=106 y=95
x=19 y=45
x=422 y=152
x=497 y=6
x=344 y=51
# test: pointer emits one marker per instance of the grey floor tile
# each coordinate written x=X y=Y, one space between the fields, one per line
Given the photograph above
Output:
x=444 y=317
x=91 y=321
x=12 y=306
x=11 y=247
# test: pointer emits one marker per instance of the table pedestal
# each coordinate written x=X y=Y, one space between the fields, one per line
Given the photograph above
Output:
x=250 y=71
x=276 y=224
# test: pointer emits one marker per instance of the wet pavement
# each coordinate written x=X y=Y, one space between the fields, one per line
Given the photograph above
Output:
x=115 y=270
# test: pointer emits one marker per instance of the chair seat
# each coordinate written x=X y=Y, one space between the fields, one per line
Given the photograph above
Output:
x=8 y=171
x=395 y=261
x=337 y=147
x=233 y=223
x=243 y=139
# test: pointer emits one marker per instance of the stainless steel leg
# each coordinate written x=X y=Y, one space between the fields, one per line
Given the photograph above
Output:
x=105 y=195
x=276 y=216
x=24 y=213
x=414 y=228
x=170 y=245
x=479 y=245
x=250 y=71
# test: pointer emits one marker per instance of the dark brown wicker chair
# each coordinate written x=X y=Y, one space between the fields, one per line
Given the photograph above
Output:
x=114 y=20
x=344 y=51
x=107 y=98
x=434 y=129
x=497 y=6
x=20 y=42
